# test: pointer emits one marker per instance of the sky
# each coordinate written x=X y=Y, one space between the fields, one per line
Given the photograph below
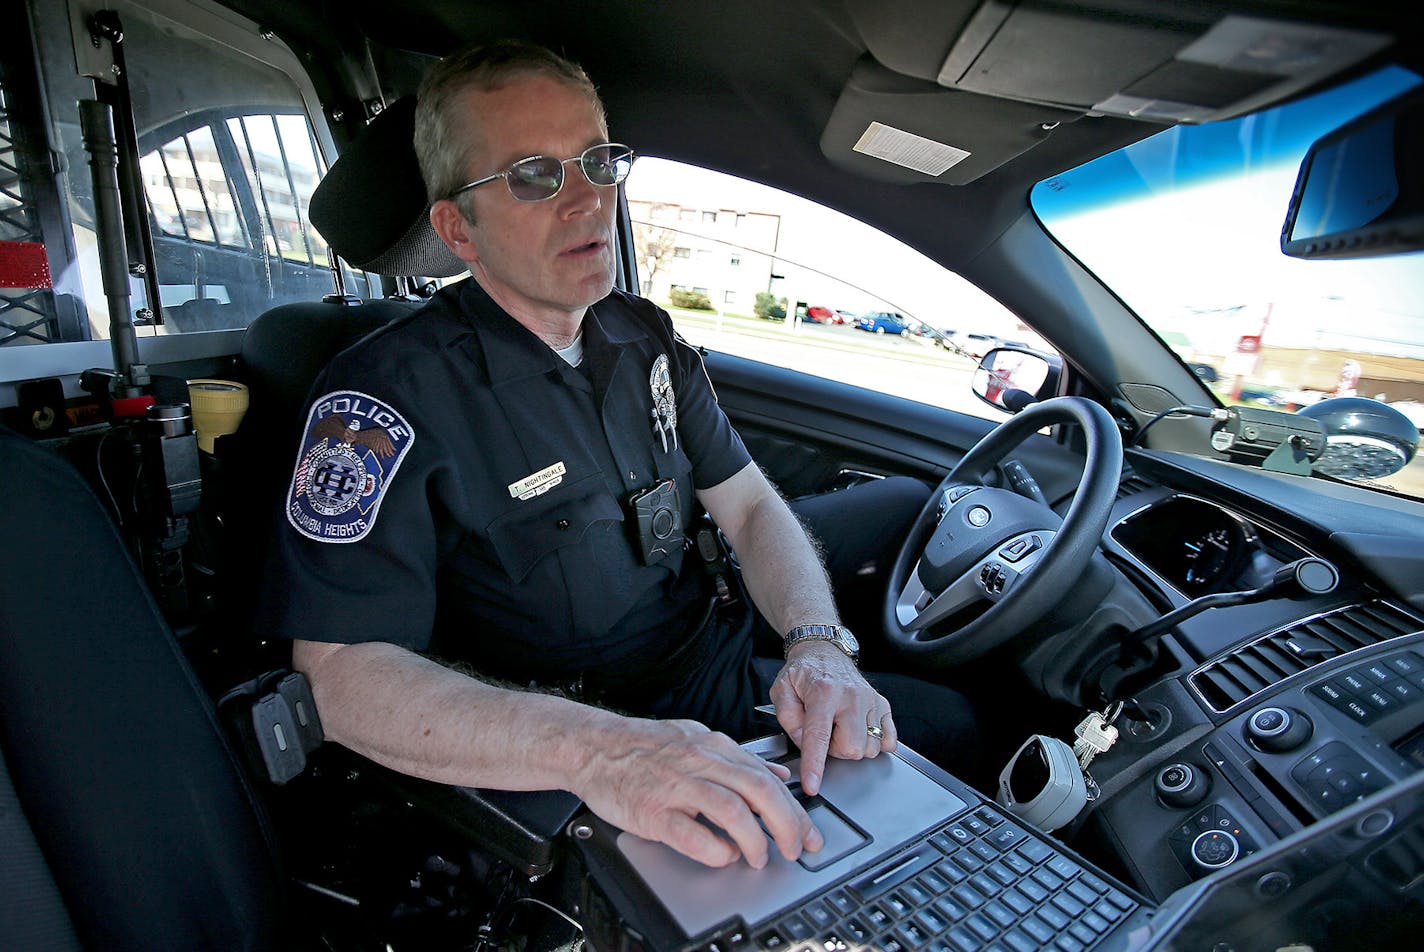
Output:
x=1218 y=271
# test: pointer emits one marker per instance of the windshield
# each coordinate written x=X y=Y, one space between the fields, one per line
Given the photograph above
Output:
x=1185 y=228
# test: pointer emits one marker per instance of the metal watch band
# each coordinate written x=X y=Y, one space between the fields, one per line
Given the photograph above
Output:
x=837 y=635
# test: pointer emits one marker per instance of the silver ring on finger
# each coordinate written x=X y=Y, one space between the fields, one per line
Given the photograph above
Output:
x=875 y=730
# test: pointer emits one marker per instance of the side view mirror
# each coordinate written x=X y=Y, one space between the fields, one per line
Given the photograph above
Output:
x=1012 y=377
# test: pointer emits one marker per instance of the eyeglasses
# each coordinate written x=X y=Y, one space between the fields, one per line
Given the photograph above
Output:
x=541 y=177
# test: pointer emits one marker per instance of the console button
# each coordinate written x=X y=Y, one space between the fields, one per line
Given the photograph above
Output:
x=1335 y=775
x=1381 y=699
x=1404 y=691
x=1358 y=711
x=1331 y=692
x=1271 y=719
x=1354 y=681
x=1181 y=785
x=1378 y=672
x=1215 y=849
x=1279 y=729
x=1405 y=663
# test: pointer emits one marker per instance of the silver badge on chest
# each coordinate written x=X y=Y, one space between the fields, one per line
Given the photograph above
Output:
x=664 y=403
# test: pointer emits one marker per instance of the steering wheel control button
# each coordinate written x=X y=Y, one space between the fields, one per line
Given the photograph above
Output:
x=1181 y=785
x=1278 y=729
x=1335 y=776
x=978 y=517
x=1019 y=548
x=1215 y=849
x=993 y=578
x=958 y=493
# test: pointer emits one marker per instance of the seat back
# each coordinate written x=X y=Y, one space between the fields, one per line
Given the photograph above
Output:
x=149 y=834
x=282 y=353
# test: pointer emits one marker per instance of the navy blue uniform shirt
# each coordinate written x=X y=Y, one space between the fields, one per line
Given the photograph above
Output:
x=460 y=489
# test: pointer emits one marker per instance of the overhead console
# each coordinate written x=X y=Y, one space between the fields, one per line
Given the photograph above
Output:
x=1160 y=61
x=950 y=91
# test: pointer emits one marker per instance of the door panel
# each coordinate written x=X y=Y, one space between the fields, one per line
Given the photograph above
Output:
x=805 y=430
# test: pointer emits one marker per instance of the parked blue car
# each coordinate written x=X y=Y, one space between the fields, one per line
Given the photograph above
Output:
x=882 y=322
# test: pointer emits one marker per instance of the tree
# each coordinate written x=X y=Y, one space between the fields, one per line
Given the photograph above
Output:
x=768 y=305
x=652 y=247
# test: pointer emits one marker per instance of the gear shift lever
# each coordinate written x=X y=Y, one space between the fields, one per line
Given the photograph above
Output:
x=1308 y=576
x=1299 y=579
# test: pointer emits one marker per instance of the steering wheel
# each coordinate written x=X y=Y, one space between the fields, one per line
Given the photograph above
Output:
x=974 y=545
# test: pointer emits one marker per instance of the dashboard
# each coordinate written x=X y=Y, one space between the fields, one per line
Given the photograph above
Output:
x=1275 y=717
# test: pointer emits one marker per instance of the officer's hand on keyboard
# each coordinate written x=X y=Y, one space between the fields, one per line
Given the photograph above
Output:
x=826 y=707
x=655 y=778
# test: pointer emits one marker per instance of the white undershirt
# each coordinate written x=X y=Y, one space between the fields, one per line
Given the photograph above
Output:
x=572 y=354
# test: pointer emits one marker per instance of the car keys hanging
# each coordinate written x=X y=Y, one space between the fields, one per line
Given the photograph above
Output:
x=1096 y=734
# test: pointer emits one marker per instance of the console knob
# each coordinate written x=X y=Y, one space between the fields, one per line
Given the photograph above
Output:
x=1181 y=785
x=1278 y=729
x=1215 y=849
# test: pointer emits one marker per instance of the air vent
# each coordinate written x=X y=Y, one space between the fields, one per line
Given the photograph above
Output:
x=1252 y=668
x=1131 y=485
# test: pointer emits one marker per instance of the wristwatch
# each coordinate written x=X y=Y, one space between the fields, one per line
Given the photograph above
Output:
x=838 y=635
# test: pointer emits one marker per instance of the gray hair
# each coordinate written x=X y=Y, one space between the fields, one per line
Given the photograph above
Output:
x=445 y=135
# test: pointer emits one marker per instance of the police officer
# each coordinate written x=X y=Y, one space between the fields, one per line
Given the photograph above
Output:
x=507 y=477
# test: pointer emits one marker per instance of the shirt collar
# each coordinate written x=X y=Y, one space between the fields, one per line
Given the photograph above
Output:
x=513 y=352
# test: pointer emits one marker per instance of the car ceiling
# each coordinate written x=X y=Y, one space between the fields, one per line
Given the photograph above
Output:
x=778 y=90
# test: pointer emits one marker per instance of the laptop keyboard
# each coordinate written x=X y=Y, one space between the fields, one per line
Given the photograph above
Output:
x=981 y=882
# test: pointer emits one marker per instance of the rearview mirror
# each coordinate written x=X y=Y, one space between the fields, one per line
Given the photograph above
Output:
x=1011 y=378
x=1358 y=193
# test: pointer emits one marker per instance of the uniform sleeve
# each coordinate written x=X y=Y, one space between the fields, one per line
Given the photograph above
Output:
x=354 y=547
x=713 y=446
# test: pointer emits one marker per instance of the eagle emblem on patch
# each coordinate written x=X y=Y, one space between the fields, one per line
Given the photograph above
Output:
x=352 y=446
x=664 y=402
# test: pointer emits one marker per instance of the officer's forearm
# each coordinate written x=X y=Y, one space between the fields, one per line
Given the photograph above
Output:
x=782 y=569
x=415 y=716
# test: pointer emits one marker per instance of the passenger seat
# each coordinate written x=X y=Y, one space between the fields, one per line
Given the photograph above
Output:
x=126 y=822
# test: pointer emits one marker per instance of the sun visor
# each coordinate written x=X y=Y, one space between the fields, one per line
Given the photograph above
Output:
x=1165 y=63
x=895 y=128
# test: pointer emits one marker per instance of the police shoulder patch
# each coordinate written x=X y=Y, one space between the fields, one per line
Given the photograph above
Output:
x=352 y=446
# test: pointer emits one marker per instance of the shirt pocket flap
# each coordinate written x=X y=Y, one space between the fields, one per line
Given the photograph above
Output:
x=542 y=526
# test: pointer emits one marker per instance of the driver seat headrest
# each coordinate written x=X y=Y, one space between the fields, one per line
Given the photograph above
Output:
x=371 y=205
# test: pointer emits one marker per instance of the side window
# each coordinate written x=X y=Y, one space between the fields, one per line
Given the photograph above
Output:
x=756 y=272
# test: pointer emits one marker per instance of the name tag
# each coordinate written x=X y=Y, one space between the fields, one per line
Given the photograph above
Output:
x=538 y=483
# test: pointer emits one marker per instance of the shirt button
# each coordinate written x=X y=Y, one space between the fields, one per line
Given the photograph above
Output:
x=562 y=523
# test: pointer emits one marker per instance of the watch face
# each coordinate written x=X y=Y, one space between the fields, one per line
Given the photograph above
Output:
x=849 y=640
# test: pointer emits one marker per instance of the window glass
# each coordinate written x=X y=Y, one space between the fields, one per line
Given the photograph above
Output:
x=1185 y=227
x=791 y=283
x=228 y=158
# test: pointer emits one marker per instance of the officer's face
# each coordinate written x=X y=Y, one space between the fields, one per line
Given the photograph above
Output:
x=537 y=259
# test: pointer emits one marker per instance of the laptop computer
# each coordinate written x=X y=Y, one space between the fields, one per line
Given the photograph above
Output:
x=916 y=860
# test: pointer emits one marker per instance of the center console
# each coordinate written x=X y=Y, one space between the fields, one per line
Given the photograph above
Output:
x=1186 y=795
